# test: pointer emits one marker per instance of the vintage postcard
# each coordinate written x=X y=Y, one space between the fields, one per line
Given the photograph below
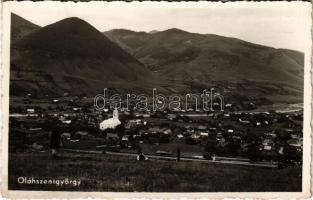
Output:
x=156 y=99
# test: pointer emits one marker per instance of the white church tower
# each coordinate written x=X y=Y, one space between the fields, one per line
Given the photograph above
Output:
x=115 y=113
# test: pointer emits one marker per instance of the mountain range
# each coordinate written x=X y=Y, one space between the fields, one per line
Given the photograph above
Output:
x=71 y=55
x=176 y=52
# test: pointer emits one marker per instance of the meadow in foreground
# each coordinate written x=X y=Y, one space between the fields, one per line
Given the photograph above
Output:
x=99 y=172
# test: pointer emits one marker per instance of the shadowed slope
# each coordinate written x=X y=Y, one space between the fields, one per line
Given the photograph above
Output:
x=71 y=55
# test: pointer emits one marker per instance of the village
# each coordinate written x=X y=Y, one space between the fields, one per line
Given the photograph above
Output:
x=250 y=136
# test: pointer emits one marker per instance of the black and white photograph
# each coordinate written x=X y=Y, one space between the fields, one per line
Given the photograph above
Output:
x=157 y=98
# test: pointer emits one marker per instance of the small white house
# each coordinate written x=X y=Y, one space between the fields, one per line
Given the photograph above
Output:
x=30 y=110
x=77 y=109
x=204 y=134
x=244 y=121
x=180 y=136
x=228 y=105
x=125 y=138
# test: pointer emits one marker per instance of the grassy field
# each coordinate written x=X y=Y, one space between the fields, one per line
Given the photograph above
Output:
x=99 y=172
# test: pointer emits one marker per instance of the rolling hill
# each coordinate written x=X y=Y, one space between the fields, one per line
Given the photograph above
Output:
x=72 y=56
x=210 y=60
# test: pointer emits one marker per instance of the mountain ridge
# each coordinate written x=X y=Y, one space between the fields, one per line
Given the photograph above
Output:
x=21 y=27
x=72 y=55
x=75 y=57
x=208 y=34
x=205 y=59
x=151 y=51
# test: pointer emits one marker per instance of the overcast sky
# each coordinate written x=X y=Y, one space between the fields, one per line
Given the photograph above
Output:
x=277 y=25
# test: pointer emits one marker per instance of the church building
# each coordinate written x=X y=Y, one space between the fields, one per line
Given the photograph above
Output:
x=111 y=122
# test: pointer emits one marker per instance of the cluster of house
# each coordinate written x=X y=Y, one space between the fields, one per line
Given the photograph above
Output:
x=269 y=144
x=139 y=129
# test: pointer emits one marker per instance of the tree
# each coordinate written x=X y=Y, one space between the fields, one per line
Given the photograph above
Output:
x=232 y=148
x=120 y=130
x=210 y=145
x=254 y=154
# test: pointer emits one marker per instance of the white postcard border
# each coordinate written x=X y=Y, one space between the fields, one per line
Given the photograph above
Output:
x=57 y=194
